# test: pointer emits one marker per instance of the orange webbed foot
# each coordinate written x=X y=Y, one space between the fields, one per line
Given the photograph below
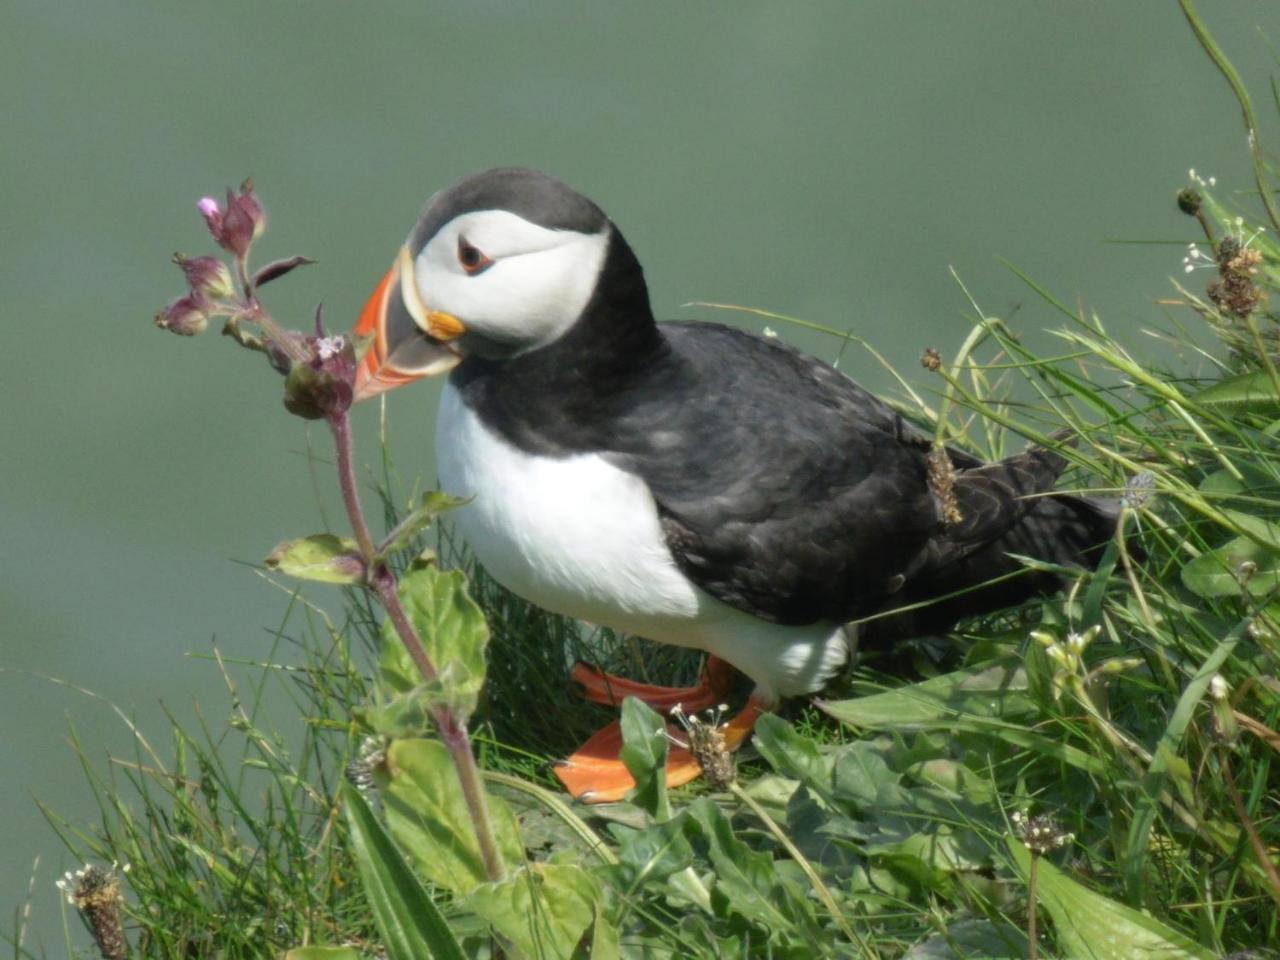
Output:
x=594 y=774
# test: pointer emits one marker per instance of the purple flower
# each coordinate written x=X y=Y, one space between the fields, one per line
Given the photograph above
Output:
x=241 y=223
x=212 y=214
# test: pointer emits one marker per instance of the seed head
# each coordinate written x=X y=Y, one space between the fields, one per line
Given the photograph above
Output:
x=707 y=744
x=95 y=893
x=1040 y=834
x=1190 y=202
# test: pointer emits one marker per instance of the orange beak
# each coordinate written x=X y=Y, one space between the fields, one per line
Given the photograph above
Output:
x=409 y=341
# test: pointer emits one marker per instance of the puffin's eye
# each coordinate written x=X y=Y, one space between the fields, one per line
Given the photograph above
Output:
x=472 y=260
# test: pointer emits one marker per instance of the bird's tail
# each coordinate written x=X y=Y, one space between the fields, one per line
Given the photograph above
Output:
x=1005 y=509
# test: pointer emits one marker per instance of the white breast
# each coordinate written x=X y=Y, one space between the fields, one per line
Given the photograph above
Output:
x=581 y=537
x=575 y=535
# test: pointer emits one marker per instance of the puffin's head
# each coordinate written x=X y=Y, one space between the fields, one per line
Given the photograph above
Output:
x=499 y=264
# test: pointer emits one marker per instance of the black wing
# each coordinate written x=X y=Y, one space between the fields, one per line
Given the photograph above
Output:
x=787 y=490
x=784 y=488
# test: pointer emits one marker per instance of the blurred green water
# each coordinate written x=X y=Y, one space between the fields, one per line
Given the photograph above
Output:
x=825 y=160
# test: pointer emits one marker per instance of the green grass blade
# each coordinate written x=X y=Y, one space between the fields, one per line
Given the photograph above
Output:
x=411 y=925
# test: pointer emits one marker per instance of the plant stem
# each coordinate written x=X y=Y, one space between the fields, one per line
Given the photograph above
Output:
x=1251 y=831
x=1032 y=948
x=382 y=580
x=458 y=741
x=1246 y=106
x=340 y=424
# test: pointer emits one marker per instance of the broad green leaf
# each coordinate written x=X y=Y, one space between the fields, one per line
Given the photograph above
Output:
x=1267 y=534
x=433 y=504
x=545 y=909
x=601 y=941
x=747 y=881
x=1232 y=568
x=454 y=633
x=1092 y=926
x=428 y=816
x=970 y=938
x=974 y=693
x=861 y=774
x=405 y=715
x=644 y=752
x=1252 y=481
x=321 y=556
x=1254 y=392
x=794 y=756
x=324 y=953
x=649 y=855
x=409 y=923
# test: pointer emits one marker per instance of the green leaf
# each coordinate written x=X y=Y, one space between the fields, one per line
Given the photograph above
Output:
x=1222 y=572
x=454 y=633
x=428 y=816
x=405 y=715
x=1252 y=392
x=862 y=776
x=979 y=693
x=433 y=504
x=409 y=923
x=747 y=881
x=321 y=556
x=545 y=909
x=649 y=855
x=601 y=942
x=969 y=938
x=794 y=756
x=1245 y=480
x=644 y=752
x=1093 y=926
x=323 y=953
x=1166 y=762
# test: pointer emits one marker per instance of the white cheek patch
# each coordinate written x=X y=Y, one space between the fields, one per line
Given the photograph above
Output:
x=540 y=281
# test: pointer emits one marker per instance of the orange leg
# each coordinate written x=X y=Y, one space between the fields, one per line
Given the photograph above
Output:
x=594 y=774
x=600 y=687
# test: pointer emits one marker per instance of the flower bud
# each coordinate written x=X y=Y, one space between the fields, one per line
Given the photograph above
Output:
x=1224 y=721
x=212 y=214
x=1189 y=201
x=208 y=276
x=185 y=316
x=243 y=222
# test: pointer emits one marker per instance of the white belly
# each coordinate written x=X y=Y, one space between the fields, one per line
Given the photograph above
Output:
x=581 y=537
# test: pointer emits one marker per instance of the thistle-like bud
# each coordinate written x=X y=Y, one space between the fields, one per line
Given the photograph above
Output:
x=207 y=276
x=96 y=894
x=185 y=316
x=324 y=382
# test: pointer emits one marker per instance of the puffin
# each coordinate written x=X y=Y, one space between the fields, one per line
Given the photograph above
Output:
x=690 y=483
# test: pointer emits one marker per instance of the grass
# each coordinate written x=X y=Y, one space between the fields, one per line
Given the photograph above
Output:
x=1113 y=748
